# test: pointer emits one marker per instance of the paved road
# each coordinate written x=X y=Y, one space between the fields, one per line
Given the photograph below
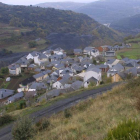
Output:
x=5 y=133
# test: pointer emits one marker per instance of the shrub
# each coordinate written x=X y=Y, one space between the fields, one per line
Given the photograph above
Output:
x=22 y=105
x=127 y=130
x=6 y=119
x=67 y=114
x=42 y=124
x=23 y=129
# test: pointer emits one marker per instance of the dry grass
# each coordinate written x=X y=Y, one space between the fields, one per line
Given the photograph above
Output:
x=92 y=119
x=100 y=115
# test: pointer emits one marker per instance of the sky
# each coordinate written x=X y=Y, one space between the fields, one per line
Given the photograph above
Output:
x=33 y=2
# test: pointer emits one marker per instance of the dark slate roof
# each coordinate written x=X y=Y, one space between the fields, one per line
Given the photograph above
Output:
x=76 y=85
x=38 y=75
x=92 y=79
x=132 y=71
x=77 y=50
x=13 y=67
x=32 y=66
x=110 y=61
x=118 y=67
x=102 y=66
x=28 y=81
x=53 y=93
x=42 y=56
x=16 y=96
x=36 y=85
x=94 y=69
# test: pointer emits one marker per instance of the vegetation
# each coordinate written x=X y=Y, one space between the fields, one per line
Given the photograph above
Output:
x=133 y=52
x=29 y=23
x=94 y=118
x=127 y=130
x=43 y=124
x=128 y=25
x=23 y=129
x=32 y=44
x=5 y=119
x=4 y=70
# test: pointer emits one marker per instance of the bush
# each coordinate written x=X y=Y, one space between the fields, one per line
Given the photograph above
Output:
x=22 y=104
x=128 y=130
x=6 y=119
x=23 y=129
x=42 y=124
x=67 y=114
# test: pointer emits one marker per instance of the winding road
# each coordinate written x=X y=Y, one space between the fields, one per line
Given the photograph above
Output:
x=5 y=133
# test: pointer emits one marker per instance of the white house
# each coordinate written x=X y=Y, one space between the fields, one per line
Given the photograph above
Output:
x=14 y=69
x=115 y=69
x=57 y=50
x=92 y=75
x=94 y=53
x=32 y=55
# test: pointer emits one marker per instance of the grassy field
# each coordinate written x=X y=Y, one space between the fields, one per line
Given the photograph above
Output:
x=24 y=47
x=133 y=53
x=92 y=119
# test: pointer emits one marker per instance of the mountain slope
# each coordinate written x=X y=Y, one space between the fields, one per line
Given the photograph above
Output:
x=128 y=25
x=104 y=11
x=61 y=5
x=45 y=21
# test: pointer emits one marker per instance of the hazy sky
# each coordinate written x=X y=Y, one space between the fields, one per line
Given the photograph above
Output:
x=28 y=2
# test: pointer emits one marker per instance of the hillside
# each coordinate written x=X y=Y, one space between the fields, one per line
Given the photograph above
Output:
x=105 y=11
x=128 y=25
x=43 y=22
x=61 y=5
x=92 y=119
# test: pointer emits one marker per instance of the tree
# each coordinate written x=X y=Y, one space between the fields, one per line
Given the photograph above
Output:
x=32 y=44
x=4 y=70
x=23 y=129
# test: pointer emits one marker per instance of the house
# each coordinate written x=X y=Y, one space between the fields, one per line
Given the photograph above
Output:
x=132 y=72
x=30 y=94
x=15 y=97
x=14 y=69
x=111 y=62
x=32 y=67
x=87 y=50
x=93 y=75
x=37 y=86
x=76 y=85
x=59 y=67
x=110 y=53
x=120 y=76
x=61 y=83
x=77 y=69
x=103 y=68
x=57 y=50
x=53 y=93
x=41 y=58
x=4 y=93
x=131 y=64
x=42 y=75
x=94 y=53
x=103 y=48
x=48 y=53
x=115 y=69
x=77 y=51
x=24 y=84
x=32 y=55
x=23 y=62
x=65 y=72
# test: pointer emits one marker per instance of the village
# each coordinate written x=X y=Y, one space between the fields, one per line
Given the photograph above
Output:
x=52 y=72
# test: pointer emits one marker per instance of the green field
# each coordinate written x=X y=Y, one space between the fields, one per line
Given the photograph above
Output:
x=132 y=53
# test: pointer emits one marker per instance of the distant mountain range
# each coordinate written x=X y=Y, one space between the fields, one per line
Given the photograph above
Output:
x=129 y=25
x=73 y=29
x=103 y=11
x=62 y=5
